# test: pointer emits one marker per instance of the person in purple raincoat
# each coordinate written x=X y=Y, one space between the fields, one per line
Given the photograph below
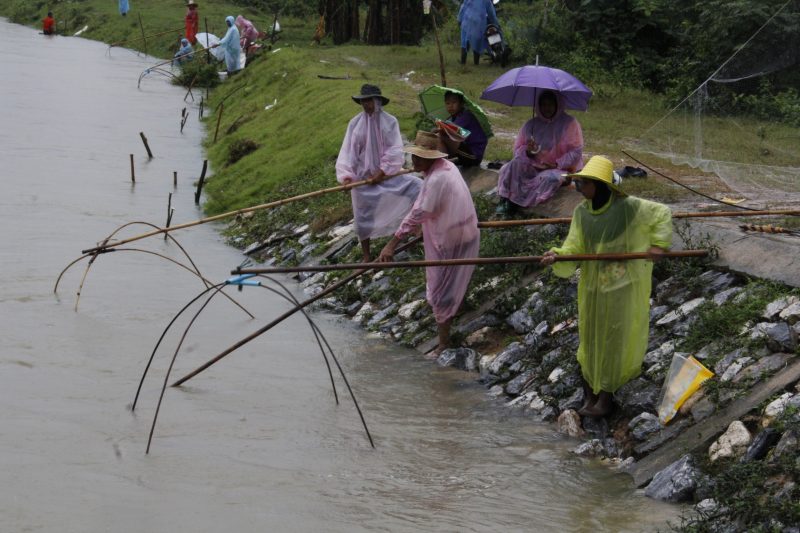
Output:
x=468 y=152
x=548 y=146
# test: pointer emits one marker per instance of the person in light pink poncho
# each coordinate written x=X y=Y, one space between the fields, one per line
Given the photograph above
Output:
x=548 y=146
x=445 y=211
x=373 y=149
x=247 y=32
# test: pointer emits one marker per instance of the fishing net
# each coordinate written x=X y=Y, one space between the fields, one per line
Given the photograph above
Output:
x=741 y=127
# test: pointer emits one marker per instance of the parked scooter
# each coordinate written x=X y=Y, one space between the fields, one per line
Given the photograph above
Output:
x=497 y=50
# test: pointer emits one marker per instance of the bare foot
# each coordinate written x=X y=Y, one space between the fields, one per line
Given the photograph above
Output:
x=601 y=408
x=366 y=258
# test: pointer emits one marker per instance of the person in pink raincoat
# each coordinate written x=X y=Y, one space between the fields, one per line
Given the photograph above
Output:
x=446 y=214
x=373 y=149
x=548 y=146
x=247 y=32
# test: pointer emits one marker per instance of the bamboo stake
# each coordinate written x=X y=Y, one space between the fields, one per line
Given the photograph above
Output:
x=170 y=211
x=133 y=174
x=146 y=146
x=438 y=46
x=470 y=261
x=200 y=183
x=242 y=211
x=342 y=282
x=684 y=214
x=175 y=179
x=143 y=36
x=219 y=118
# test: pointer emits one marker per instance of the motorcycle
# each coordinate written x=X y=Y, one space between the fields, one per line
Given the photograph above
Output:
x=497 y=50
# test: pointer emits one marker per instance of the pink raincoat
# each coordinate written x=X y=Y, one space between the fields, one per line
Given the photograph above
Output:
x=373 y=143
x=561 y=143
x=247 y=32
x=449 y=223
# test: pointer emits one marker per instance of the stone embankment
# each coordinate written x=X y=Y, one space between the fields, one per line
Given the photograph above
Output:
x=520 y=339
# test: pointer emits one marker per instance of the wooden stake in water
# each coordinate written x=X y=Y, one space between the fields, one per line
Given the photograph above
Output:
x=146 y=146
x=200 y=183
x=133 y=174
x=175 y=179
x=170 y=211
x=219 y=118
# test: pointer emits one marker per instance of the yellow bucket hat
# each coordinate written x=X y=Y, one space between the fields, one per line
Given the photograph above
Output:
x=599 y=168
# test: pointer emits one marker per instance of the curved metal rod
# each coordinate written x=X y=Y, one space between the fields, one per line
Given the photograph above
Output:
x=172 y=362
x=173 y=239
x=162 y=256
x=161 y=338
x=335 y=360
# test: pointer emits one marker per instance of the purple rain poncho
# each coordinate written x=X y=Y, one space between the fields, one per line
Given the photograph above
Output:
x=561 y=143
x=473 y=20
x=247 y=31
x=373 y=143
x=477 y=140
x=230 y=44
x=614 y=296
x=449 y=223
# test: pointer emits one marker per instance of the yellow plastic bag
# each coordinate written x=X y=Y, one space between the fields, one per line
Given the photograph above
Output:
x=685 y=376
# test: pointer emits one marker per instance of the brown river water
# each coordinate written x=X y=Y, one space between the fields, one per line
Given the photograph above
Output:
x=256 y=443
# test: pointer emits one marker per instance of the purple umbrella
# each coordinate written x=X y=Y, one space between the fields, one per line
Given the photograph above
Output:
x=522 y=86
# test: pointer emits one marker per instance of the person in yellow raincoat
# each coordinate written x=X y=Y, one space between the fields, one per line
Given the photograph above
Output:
x=613 y=296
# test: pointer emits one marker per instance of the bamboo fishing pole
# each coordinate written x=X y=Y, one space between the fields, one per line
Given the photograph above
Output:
x=242 y=211
x=140 y=38
x=341 y=283
x=471 y=261
x=680 y=214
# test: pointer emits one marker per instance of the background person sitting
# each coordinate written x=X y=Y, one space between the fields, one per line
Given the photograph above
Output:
x=469 y=151
x=548 y=146
x=184 y=54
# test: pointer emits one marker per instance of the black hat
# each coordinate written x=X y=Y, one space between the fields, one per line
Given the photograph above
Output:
x=370 y=91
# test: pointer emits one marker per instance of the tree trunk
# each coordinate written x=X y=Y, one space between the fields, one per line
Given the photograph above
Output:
x=341 y=19
x=394 y=22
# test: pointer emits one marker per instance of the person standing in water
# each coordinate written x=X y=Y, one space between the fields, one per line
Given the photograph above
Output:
x=613 y=296
x=373 y=149
x=49 y=24
x=192 y=20
x=446 y=214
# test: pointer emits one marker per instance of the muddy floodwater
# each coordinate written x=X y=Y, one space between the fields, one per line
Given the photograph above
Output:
x=256 y=443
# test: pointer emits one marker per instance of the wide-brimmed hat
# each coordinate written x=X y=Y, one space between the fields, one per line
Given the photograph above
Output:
x=426 y=146
x=599 y=168
x=191 y=3
x=370 y=91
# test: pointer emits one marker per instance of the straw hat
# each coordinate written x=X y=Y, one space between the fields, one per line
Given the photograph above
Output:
x=599 y=168
x=426 y=146
x=370 y=91
x=191 y=3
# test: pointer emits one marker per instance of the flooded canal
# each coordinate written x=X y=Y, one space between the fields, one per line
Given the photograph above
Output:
x=256 y=443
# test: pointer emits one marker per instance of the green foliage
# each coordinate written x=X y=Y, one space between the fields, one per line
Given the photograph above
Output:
x=240 y=148
x=197 y=73
x=688 y=269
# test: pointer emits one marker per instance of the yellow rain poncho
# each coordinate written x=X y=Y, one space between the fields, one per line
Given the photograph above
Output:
x=614 y=297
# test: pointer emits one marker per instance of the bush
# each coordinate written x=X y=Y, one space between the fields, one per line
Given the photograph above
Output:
x=197 y=73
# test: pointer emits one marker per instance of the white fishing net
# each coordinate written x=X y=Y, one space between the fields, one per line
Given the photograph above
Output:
x=752 y=145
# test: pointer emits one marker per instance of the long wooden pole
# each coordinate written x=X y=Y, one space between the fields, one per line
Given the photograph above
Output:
x=342 y=282
x=680 y=214
x=240 y=212
x=144 y=38
x=469 y=261
x=438 y=46
x=140 y=38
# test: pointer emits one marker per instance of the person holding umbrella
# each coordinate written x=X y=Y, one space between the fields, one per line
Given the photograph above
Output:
x=373 y=149
x=445 y=213
x=467 y=151
x=613 y=296
x=473 y=17
x=548 y=145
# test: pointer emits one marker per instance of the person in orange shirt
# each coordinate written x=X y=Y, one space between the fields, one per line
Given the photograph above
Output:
x=49 y=24
x=192 y=21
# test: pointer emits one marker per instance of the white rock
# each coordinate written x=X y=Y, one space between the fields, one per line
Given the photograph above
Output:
x=496 y=391
x=313 y=280
x=778 y=306
x=523 y=399
x=681 y=312
x=775 y=408
x=734 y=368
x=556 y=374
x=722 y=297
x=301 y=229
x=569 y=422
x=707 y=506
x=791 y=314
x=407 y=311
x=341 y=231
x=363 y=312
x=485 y=361
x=537 y=404
x=732 y=443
